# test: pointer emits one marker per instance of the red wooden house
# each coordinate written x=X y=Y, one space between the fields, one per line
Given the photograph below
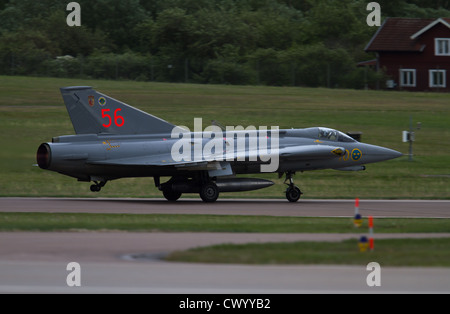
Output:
x=414 y=53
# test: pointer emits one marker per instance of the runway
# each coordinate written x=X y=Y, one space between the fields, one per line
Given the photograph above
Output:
x=122 y=262
x=113 y=262
x=271 y=207
x=183 y=278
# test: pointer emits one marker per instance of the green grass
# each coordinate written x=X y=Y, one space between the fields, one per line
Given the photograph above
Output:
x=387 y=252
x=211 y=223
x=32 y=112
x=392 y=252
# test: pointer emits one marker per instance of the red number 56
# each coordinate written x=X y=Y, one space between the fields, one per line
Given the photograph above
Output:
x=116 y=117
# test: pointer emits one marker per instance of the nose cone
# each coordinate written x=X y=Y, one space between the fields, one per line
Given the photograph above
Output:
x=378 y=153
x=373 y=153
x=387 y=154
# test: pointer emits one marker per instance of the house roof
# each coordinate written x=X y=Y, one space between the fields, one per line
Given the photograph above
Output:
x=401 y=34
x=372 y=62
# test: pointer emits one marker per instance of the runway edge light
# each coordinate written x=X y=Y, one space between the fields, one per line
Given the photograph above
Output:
x=357 y=220
x=363 y=244
x=371 y=241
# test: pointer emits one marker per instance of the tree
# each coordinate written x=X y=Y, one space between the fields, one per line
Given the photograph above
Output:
x=23 y=52
x=115 y=18
x=22 y=13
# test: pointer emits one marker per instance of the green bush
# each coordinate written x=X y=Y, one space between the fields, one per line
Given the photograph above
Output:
x=129 y=66
x=226 y=72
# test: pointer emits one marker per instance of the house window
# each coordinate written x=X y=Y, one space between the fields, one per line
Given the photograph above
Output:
x=437 y=78
x=442 y=46
x=408 y=77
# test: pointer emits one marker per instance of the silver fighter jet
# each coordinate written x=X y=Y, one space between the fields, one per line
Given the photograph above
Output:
x=114 y=140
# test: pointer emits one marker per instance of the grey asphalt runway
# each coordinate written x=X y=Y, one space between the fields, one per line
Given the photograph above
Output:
x=114 y=262
x=182 y=278
x=281 y=207
x=120 y=262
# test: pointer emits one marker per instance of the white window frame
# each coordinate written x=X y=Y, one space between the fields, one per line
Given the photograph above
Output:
x=437 y=46
x=411 y=78
x=433 y=83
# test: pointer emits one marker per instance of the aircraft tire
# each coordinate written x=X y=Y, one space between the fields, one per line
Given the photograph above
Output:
x=293 y=194
x=171 y=195
x=95 y=188
x=209 y=192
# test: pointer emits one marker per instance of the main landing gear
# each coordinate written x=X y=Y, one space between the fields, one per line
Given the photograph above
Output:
x=97 y=186
x=209 y=192
x=166 y=188
x=201 y=184
x=293 y=193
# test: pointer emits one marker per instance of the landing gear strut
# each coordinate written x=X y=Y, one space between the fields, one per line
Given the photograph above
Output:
x=293 y=193
x=97 y=186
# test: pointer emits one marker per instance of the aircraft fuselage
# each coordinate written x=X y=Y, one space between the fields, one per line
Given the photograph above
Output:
x=81 y=156
x=114 y=140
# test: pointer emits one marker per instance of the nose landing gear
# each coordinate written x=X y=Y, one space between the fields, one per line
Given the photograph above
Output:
x=97 y=186
x=293 y=192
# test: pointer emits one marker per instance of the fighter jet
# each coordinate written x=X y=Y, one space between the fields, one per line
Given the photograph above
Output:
x=114 y=140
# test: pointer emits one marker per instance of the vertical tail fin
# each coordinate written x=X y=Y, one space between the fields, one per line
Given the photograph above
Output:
x=93 y=113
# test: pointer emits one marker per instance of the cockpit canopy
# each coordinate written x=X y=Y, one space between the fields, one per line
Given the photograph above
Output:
x=327 y=134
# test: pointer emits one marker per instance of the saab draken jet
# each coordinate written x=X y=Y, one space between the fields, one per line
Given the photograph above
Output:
x=114 y=140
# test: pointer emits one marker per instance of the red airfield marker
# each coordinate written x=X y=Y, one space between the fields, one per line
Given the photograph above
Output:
x=357 y=221
x=371 y=244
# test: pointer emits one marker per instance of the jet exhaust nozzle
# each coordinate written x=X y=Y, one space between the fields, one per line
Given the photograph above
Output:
x=44 y=156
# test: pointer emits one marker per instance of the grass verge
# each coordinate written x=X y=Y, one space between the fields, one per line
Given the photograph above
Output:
x=388 y=252
x=392 y=252
x=211 y=223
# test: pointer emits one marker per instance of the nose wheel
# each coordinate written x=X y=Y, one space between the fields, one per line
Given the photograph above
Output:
x=293 y=192
x=97 y=186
